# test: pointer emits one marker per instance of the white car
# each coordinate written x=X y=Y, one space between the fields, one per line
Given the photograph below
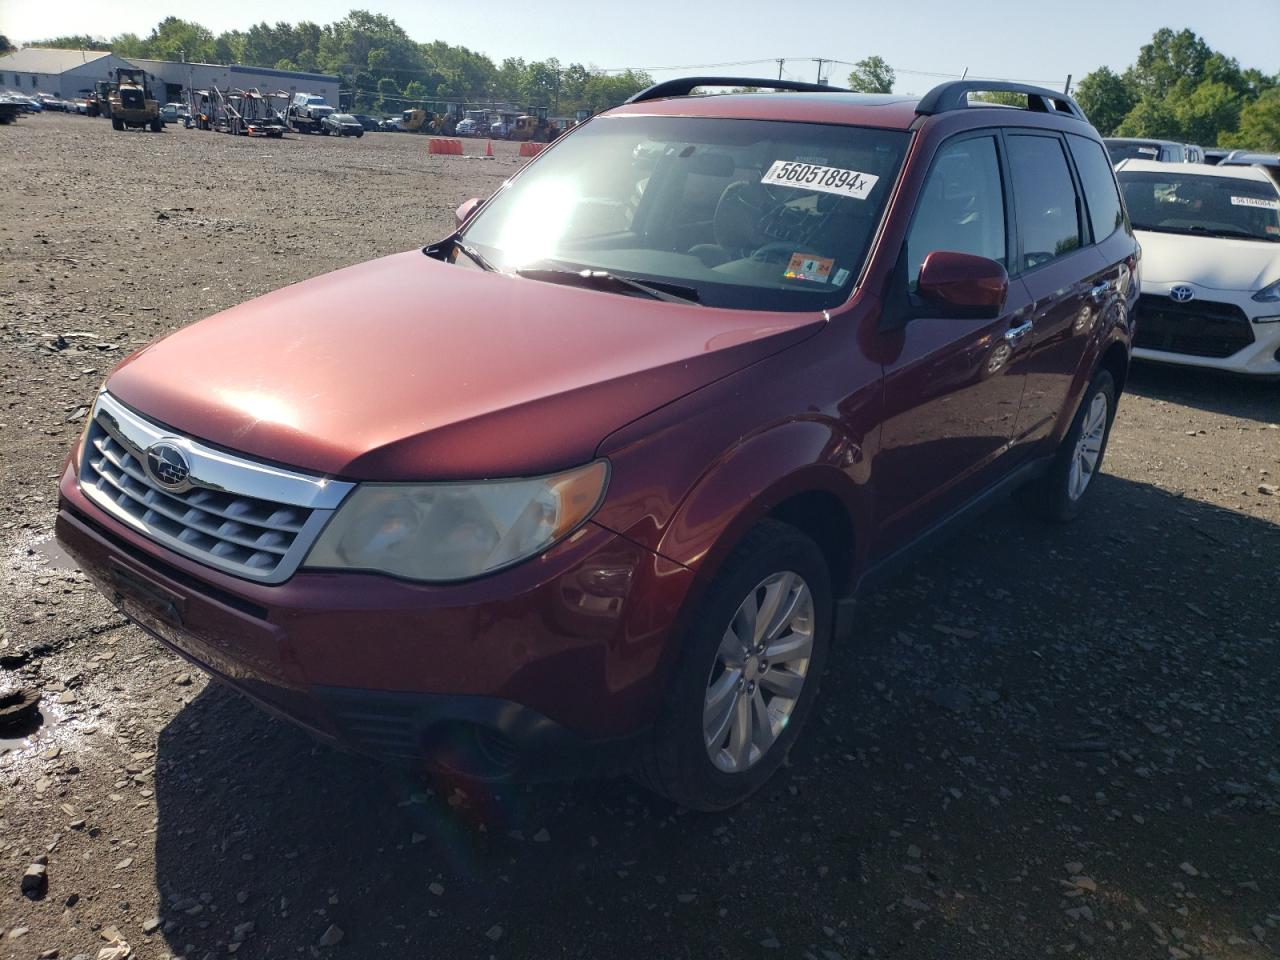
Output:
x=1210 y=264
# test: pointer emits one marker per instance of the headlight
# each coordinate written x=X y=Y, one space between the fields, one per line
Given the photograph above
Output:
x=455 y=531
x=1269 y=294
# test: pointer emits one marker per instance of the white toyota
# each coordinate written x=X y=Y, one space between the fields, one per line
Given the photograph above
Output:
x=1210 y=264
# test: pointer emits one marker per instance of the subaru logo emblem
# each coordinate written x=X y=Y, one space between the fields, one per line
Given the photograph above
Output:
x=1182 y=293
x=167 y=466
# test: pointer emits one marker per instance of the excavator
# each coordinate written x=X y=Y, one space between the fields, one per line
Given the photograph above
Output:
x=424 y=120
x=533 y=125
x=131 y=104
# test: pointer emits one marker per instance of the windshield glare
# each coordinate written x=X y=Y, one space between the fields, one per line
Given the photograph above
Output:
x=750 y=213
x=1178 y=202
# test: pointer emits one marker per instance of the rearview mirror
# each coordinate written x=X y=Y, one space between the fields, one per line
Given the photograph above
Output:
x=963 y=285
x=464 y=212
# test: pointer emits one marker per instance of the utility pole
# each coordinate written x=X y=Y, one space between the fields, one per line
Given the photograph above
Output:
x=1067 y=88
x=820 y=63
x=781 y=61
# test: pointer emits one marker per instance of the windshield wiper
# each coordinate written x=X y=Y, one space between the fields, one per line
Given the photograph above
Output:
x=1231 y=234
x=474 y=255
x=604 y=280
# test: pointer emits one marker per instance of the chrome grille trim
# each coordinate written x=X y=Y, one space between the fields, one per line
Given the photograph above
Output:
x=244 y=517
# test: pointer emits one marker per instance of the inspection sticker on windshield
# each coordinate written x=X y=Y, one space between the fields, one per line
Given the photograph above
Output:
x=806 y=267
x=812 y=176
x=1255 y=202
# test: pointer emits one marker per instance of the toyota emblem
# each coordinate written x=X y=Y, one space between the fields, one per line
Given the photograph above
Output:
x=1182 y=293
x=167 y=466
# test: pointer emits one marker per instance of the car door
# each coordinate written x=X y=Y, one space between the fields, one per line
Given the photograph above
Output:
x=951 y=387
x=1064 y=274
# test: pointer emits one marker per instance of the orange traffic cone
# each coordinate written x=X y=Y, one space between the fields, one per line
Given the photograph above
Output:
x=488 y=149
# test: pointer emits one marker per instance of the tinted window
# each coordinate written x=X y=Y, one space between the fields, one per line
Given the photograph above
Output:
x=961 y=207
x=1044 y=199
x=1105 y=212
x=1193 y=203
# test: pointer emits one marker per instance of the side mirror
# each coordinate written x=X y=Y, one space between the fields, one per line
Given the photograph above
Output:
x=464 y=212
x=963 y=285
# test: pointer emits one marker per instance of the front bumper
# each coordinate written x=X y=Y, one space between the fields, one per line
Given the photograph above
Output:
x=549 y=668
x=1216 y=329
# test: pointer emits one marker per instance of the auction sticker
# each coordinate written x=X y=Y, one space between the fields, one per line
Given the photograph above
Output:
x=806 y=267
x=813 y=176
x=1255 y=202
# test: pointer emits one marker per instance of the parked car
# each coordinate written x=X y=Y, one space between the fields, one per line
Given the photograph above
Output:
x=605 y=495
x=341 y=125
x=367 y=122
x=390 y=124
x=1244 y=158
x=1211 y=265
x=175 y=113
x=1215 y=155
x=51 y=103
x=1136 y=148
x=26 y=104
x=466 y=128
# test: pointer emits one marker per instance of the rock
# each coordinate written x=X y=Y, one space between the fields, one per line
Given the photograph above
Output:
x=120 y=950
x=1085 y=883
x=241 y=931
x=1074 y=867
x=332 y=936
x=542 y=836
x=35 y=882
x=1268 y=489
x=50 y=954
x=436 y=888
x=1188 y=869
x=951 y=698
x=151 y=926
x=913 y=852
x=1233 y=789
x=495 y=932
x=17 y=932
x=182 y=680
x=125 y=864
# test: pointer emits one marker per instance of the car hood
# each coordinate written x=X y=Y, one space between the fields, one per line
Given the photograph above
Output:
x=1215 y=263
x=409 y=368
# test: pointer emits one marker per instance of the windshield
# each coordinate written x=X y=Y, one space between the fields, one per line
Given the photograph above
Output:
x=344 y=118
x=748 y=213
x=1177 y=202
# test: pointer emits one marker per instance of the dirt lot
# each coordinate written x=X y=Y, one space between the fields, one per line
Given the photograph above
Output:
x=1048 y=742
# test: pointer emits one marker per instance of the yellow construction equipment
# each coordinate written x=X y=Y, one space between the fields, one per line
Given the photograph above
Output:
x=131 y=103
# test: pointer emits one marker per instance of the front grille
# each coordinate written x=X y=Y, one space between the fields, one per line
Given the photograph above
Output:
x=226 y=518
x=1201 y=328
x=241 y=530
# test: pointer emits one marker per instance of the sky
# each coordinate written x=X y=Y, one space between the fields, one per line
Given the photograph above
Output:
x=1011 y=39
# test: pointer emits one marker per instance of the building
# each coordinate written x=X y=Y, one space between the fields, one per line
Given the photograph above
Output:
x=61 y=73
x=65 y=73
x=170 y=80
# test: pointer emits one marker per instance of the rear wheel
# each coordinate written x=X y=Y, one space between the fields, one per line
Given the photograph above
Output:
x=748 y=674
x=117 y=124
x=1059 y=493
x=157 y=125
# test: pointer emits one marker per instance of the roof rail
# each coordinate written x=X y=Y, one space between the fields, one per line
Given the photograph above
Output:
x=686 y=85
x=954 y=95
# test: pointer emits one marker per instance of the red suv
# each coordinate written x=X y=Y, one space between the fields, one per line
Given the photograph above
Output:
x=595 y=480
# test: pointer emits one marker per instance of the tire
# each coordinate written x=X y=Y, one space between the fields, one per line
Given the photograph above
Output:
x=676 y=760
x=117 y=124
x=1058 y=495
x=157 y=126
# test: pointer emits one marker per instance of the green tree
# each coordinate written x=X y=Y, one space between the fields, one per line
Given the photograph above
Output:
x=1259 y=124
x=175 y=39
x=1204 y=112
x=1150 y=117
x=5 y=45
x=415 y=90
x=1168 y=58
x=1105 y=98
x=73 y=42
x=872 y=75
x=388 y=95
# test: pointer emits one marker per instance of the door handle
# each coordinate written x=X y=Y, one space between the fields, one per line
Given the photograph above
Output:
x=1014 y=335
x=1098 y=291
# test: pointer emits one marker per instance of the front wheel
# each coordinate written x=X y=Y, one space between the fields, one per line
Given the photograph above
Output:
x=1059 y=493
x=747 y=676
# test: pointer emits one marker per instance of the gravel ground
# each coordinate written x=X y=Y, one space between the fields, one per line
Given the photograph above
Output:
x=1048 y=741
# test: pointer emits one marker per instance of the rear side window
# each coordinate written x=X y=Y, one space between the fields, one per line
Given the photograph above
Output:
x=1044 y=198
x=1105 y=212
x=961 y=207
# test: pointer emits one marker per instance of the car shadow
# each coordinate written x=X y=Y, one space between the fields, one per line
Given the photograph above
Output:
x=1027 y=705
x=1233 y=395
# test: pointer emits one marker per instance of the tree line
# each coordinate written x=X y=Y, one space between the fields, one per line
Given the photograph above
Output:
x=1179 y=88
x=384 y=68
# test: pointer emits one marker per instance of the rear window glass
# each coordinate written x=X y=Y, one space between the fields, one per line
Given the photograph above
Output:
x=1106 y=215
x=1044 y=198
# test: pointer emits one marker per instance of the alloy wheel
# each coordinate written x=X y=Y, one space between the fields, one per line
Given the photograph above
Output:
x=1084 y=462
x=759 y=672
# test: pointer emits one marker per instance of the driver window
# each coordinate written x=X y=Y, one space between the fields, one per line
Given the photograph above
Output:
x=961 y=207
